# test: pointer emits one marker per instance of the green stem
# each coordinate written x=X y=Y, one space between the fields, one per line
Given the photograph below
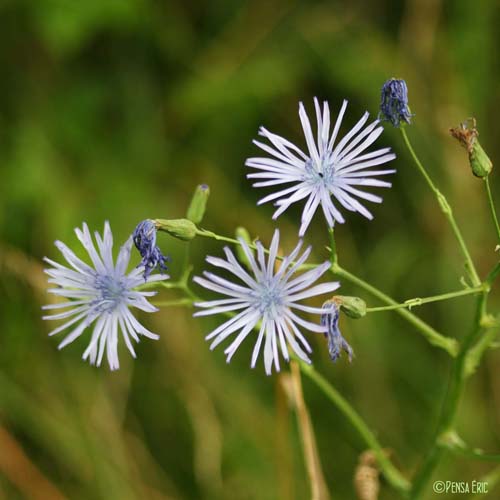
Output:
x=393 y=476
x=186 y=301
x=493 y=274
x=492 y=206
x=210 y=234
x=170 y=285
x=450 y=406
x=446 y=209
x=476 y=353
x=417 y=301
x=448 y=344
x=475 y=454
x=333 y=247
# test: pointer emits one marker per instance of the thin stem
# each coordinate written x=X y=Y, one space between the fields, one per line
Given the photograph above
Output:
x=393 y=476
x=170 y=285
x=493 y=274
x=446 y=209
x=454 y=443
x=333 y=247
x=185 y=264
x=172 y=303
x=492 y=206
x=417 y=301
x=448 y=344
x=210 y=234
x=475 y=453
x=476 y=353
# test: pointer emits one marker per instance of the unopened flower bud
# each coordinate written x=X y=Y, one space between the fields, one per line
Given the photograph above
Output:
x=198 y=204
x=467 y=135
x=183 y=229
x=394 y=102
x=354 y=307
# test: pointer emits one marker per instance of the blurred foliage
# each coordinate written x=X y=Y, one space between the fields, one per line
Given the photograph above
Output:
x=117 y=110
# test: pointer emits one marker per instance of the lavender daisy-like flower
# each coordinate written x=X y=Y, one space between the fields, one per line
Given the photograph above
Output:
x=331 y=172
x=100 y=294
x=266 y=299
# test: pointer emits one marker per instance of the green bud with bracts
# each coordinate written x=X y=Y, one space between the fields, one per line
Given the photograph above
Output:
x=183 y=229
x=354 y=307
x=467 y=135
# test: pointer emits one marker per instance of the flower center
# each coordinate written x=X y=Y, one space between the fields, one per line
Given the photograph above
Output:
x=269 y=297
x=322 y=172
x=111 y=290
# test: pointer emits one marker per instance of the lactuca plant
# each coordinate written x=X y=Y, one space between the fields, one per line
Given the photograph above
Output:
x=263 y=297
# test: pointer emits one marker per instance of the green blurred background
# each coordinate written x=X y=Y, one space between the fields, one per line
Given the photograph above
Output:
x=116 y=110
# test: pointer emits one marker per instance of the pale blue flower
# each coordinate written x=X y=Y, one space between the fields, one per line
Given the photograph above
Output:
x=101 y=295
x=267 y=299
x=331 y=172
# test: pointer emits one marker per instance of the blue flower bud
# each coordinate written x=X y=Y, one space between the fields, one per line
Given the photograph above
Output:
x=394 y=102
x=330 y=320
x=145 y=241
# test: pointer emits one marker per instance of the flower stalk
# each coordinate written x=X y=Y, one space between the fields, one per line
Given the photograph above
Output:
x=491 y=204
x=418 y=301
x=447 y=211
